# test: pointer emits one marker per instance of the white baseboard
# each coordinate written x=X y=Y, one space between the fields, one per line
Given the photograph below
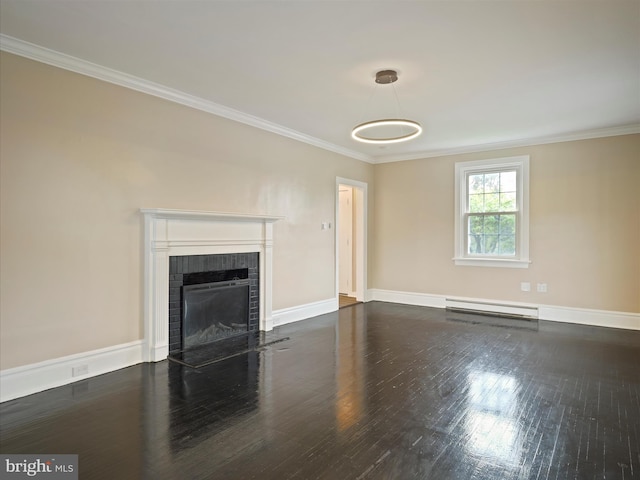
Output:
x=407 y=298
x=583 y=316
x=37 y=377
x=302 y=312
x=599 y=318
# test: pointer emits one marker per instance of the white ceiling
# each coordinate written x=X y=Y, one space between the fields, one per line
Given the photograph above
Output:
x=475 y=74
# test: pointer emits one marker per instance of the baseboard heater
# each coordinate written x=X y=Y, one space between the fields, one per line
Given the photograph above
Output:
x=492 y=308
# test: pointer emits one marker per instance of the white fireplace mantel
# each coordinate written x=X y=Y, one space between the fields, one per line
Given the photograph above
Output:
x=170 y=233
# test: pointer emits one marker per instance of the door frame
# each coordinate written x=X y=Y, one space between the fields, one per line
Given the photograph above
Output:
x=360 y=199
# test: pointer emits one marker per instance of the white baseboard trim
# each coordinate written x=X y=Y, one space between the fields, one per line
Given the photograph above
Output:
x=37 y=377
x=407 y=298
x=302 y=312
x=583 y=316
x=598 y=318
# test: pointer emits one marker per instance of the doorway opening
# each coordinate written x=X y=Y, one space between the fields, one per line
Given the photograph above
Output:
x=351 y=241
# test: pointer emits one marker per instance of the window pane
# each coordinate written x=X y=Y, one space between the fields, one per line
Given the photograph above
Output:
x=491 y=244
x=475 y=244
x=491 y=234
x=476 y=203
x=476 y=225
x=507 y=245
x=508 y=181
x=492 y=192
x=476 y=183
x=492 y=202
x=507 y=224
x=491 y=182
x=507 y=201
x=492 y=224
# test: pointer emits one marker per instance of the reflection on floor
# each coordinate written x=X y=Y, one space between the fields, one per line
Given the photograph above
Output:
x=225 y=348
x=376 y=391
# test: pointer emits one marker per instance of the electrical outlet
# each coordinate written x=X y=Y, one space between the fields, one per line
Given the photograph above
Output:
x=525 y=286
x=80 y=370
x=542 y=288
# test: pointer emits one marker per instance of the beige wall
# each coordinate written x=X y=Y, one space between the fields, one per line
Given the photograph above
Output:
x=584 y=221
x=80 y=157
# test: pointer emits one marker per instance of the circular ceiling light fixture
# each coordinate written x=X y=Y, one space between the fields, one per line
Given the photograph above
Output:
x=358 y=132
x=388 y=130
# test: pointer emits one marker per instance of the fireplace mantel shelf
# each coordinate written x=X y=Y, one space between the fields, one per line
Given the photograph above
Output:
x=204 y=215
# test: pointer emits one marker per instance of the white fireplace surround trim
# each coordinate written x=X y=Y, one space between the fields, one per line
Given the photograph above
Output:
x=170 y=232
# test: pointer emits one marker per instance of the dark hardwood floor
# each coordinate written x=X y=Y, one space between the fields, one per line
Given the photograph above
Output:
x=374 y=391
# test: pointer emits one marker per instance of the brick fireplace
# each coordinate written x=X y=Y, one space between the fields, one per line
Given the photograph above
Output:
x=173 y=235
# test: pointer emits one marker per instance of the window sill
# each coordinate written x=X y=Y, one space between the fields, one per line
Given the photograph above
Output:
x=491 y=262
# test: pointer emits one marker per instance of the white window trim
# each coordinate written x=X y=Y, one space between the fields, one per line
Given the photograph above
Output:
x=521 y=259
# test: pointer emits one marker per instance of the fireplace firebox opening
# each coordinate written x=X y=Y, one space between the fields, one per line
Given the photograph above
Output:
x=215 y=310
x=212 y=298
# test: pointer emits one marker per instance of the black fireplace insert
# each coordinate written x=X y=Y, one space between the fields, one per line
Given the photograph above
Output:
x=213 y=311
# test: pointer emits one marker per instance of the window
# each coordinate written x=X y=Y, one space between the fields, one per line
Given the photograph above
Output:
x=492 y=213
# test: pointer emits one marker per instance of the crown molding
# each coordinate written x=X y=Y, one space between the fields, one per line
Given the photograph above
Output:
x=524 y=142
x=83 y=67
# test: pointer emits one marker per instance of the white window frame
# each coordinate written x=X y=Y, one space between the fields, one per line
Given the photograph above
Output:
x=462 y=170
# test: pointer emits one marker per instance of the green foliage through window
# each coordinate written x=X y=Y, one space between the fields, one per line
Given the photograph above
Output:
x=491 y=227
